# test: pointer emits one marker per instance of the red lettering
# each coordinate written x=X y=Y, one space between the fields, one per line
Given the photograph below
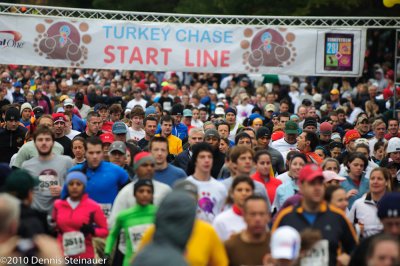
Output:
x=198 y=58
x=108 y=51
x=151 y=55
x=225 y=58
x=213 y=60
x=187 y=59
x=136 y=56
x=166 y=51
x=122 y=49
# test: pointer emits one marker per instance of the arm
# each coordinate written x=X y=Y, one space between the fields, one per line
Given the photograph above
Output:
x=112 y=237
x=349 y=238
x=100 y=220
x=22 y=156
x=220 y=229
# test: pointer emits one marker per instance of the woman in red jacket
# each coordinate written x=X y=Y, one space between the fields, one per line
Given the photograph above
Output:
x=78 y=219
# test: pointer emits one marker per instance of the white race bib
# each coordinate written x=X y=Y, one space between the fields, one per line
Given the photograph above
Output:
x=106 y=208
x=45 y=181
x=318 y=255
x=73 y=243
x=136 y=233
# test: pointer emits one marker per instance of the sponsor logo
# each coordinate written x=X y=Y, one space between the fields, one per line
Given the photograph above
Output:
x=11 y=39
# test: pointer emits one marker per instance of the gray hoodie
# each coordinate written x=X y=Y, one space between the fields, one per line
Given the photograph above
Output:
x=174 y=224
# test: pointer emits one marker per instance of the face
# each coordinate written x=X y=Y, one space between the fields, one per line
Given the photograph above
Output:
x=223 y=147
x=223 y=131
x=166 y=128
x=301 y=142
x=339 y=199
x=379 y=153
x=150 y=128
x=320 y=153
x=263 y=142
x=68 y=109
x=204 y=162
x=395 y=156
x=94 y=125
x=363 y=151
x=377 y=182
x=264 y=165
x=117 y=158
x=283 y=120
x=115 y=116
x=75 y=189
x=244 y=163
x=295 y=166
x=380 y=131
x=283 y=108
x=256 y=216
x=213 y=141
x=103 y=114
x=26 y=114
x=257 y=124
x=324 y=137
x=146 y=170
x=386 y=253
x=78 y=149
x=187 y=120
x=159 y=150
x=245 y=142
x=334 y=120
x=144 y=195
x=313 y=191
x=59 y=127
x=12 y=125
x=203 y=116
x=356 y=167
x=252 y=136
x=310 y=129
x=195 y=113
x=137 y=121
x=177 y=119
x=240 y=193
x=331 y=166
x=195 y=138
x=363 y=126
x=94 y=155
x=291 y=138
x=393 y=127
x=44 y=144
x=302 y=113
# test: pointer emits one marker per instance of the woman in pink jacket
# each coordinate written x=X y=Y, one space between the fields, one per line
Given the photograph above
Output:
x=78 y=219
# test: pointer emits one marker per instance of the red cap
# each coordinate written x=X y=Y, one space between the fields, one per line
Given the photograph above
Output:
x=58 y=117
x=325 y=128
x=142 y=84
x=166 y=88
x=107 y=138
x=310 y=172
x=387 y=93
x=351 y=135
x=277 y=135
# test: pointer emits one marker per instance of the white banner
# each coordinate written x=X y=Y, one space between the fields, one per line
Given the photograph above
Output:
x=107 y=44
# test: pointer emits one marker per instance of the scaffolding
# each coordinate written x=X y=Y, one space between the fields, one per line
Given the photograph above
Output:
x=287 y=21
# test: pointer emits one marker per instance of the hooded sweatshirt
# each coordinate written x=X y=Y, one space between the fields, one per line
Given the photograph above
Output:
x=174 y=224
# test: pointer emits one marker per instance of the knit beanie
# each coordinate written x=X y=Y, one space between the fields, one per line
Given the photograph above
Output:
x=141 y=158
x=141 y=183
x=309 y=121
x=76 y=175
x=25 y=106
x=230 y=110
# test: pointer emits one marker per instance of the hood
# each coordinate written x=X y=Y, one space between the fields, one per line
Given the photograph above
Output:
x=174 y=219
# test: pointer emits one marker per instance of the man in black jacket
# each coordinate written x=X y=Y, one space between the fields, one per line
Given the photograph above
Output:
x=213 y=138
x=12 y=136
x=196 y=135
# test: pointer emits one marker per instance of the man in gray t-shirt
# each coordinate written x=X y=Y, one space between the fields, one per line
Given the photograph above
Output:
x=50 y=168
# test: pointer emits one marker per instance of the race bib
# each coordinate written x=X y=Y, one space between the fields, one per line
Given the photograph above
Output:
x=318 y=255
x=106 y=208
x=45 y=181
x=136 y=234
x=73 y=243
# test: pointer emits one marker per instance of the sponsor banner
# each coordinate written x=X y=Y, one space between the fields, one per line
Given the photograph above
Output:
x=107 y=44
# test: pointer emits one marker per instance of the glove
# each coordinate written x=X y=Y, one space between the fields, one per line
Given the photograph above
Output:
x=107 y=260
x=87 y=229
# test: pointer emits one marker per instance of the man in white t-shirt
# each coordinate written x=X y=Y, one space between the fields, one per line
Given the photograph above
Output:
x=137 y=100
x=212 y=194
x=289 y=141
x=136 y=131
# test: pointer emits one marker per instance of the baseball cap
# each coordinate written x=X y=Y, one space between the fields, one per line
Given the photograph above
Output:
x=143 y=182
x=219 y=111
x=388 y=206
x=263 y=132
x=350 y=135
x=151 y=110
x=291 y=127
x=336 y=136
x=187 y=113
x=361 y=140
x=325 y=128
x=285 y=243
x=177 y=109
x=68 y=102
x=212 y=133
x=58 y=117
x=17 y=84
x=310 y=172
x=119 y=128
x=335 y=91
x=12 y=114
x=100 y=106
x=107 y=138
x=294 y=85
x=63 y=97
x=117 y=146
x=361 y=119
x=20 y=182
x=393 y=145
x=331 y=175
x=213 y=91
x=38 y=111
x=270 y=107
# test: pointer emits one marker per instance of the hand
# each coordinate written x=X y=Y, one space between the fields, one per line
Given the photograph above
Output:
x=351 y=193
x=49 y=250
x=55 y=191
x=107 y=259
x=343 y=259
x=87 y=229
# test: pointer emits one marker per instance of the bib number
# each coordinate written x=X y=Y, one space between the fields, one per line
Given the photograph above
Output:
x=106 y=208
x=318 y=255
x=73 y=243
x=46 y=181
x=136 y=234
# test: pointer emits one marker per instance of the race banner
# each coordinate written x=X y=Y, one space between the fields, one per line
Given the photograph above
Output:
x=109 y=44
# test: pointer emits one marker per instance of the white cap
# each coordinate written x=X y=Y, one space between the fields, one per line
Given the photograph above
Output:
x=285 y=243
x=331 y=175
x=219 y=111
x=361 y=141
x=68 y=102
x=393 y=145
x=221 y=96
x=213 y=91
x=335 y=136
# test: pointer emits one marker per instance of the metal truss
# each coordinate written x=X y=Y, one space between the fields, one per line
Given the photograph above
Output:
x=320 y=22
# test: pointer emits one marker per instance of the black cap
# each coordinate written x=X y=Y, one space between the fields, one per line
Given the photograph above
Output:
x=263 y=132
x=177 y=109
x=310 y=121
x=12 y=114
x=79 y=96
x=143 y=182
x=38 y=111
